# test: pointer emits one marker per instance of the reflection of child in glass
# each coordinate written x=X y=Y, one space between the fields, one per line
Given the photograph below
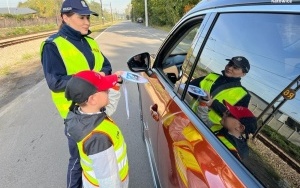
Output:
x=236 y=122
x=100 y=142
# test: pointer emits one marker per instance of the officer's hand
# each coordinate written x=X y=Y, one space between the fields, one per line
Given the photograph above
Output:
x=102 y=73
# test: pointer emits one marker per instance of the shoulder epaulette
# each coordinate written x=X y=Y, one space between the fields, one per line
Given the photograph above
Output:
x=215 y=73
x=52 y=37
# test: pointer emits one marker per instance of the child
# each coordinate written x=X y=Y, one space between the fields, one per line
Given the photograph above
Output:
x=236 y=122
x=100 y=142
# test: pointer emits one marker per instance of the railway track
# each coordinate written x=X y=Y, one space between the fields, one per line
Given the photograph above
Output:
x=294 y=164
x=291 y=162
x=10 y=42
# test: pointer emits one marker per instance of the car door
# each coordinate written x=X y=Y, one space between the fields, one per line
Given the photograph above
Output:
x=182 y=150
x=157 y=98
x=184 y=157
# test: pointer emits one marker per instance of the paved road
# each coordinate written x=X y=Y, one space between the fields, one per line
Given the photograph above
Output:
x=33 y=147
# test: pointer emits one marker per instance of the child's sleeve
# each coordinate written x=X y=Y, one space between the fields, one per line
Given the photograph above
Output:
x=202 y=111
x=114 y=97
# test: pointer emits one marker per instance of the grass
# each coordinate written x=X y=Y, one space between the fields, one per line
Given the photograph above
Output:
x=19 y=31
x=5 y=70
x=99 y=27
x=6 y=33
x=163 y=28
x=28 y=56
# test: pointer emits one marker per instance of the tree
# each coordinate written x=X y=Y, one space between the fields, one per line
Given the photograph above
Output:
x=163 y=12
x=128 y=11
x=49 y=9
x=138 y=9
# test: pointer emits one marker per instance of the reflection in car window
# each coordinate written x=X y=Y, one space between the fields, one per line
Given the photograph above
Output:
x=271 y=43
x=177 y=54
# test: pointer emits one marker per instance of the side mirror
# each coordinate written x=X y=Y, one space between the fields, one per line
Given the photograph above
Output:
x=139 y=62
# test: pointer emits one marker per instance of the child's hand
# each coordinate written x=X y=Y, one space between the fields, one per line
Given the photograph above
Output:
x=209 y=100
x=119 y=73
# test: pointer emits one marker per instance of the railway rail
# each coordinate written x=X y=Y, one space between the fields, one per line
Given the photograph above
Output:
x=13 y=41
x=291 y=162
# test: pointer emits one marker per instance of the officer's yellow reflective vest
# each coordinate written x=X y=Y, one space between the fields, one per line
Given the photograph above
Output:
x=231 y=95
x=111 y=130
x=74 y=61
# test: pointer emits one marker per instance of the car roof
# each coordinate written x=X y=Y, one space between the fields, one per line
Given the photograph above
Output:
x=210 y=4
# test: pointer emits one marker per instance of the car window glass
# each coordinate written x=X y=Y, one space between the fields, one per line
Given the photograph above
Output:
x=176 y=55
x=271 y=43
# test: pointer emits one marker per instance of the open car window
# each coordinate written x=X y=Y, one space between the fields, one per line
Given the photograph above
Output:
x=177 y=53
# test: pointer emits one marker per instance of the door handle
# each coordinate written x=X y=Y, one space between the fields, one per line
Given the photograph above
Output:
x=153 y=111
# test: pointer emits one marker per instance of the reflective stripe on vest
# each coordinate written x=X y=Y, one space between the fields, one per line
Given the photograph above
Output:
x=229 y=145
x=231 y=95
x=74 y=61
x=216 y=127
x=110 y=129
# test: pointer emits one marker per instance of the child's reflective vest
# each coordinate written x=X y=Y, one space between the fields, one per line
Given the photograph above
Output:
x=215 y=129
x=111 y=130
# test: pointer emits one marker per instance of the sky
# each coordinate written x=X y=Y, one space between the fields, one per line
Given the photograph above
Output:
x=117 y=5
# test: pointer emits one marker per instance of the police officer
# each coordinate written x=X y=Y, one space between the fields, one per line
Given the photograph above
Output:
x=224 y=87
x=64 y=54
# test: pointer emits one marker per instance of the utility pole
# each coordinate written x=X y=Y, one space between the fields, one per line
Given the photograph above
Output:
x=132 y=13
x=7 y=7
x=101 y=12
x=146 y=13
x=112 y=19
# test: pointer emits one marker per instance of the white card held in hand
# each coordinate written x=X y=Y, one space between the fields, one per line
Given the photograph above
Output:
x=195 y=90
x=133 y=77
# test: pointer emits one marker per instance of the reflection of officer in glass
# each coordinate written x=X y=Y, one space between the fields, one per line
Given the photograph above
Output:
x=225 y=87
x=139 y=60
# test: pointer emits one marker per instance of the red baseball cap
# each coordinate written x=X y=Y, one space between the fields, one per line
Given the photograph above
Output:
x=86 y=83
x=244 y=115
